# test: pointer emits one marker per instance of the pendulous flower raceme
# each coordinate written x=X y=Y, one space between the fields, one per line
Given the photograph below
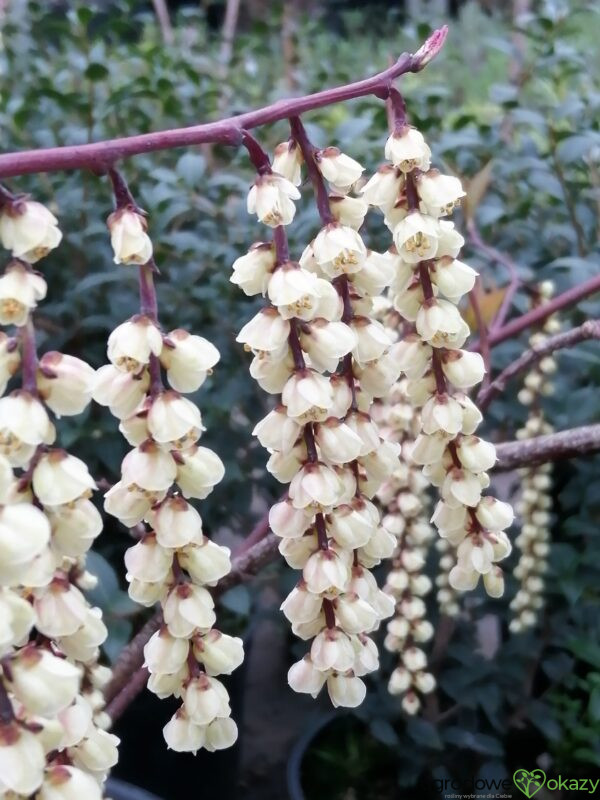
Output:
x=52 y=738
x=428 y=283
x=535 y=504
x=403 y=496
x=318 y=346
x=173 y=562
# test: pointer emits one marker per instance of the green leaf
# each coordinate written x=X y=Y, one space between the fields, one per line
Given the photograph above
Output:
x=96 y=72
x=423 y=732
x=237 y=600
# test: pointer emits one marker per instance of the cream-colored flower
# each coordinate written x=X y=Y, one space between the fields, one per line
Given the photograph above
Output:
x=440 y=194
x=174 y=420
x=16 y=549
x=407 y=150
x=22 y=760
x=188 y=360
x=198 y=471
x=61 y=478
x=121 y=391
x=65 y=383
x=132 y=343
x=288 y=160
x=338 y=168
x=251 y=272
x=271 y=198
x=383 y=188
x=350 y=211
x=416 y=237
x=29 y=230
x=44 y=683
x=69 y=783
x=339 y=250
x=182 y=735
x=265 y=332
x=219 y=653
x=20 y=291
x=130 y=242
x=307 y=395
x=176 y=523
x=149 y=467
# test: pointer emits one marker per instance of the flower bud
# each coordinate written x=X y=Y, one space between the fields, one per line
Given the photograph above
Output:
x=130 y=242
x=271 y=199
x=288 y=160
x=400 y=680
x=493 y=582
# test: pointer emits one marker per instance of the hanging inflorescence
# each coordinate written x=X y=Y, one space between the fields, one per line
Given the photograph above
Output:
x=428 y=283
x=52 y=742
x=404 y=497
x=535 y=504
x=173 y=562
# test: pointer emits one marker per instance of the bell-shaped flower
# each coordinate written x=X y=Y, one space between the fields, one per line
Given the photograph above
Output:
x=188 y=359
x=174 y=420
x=220 y=734
x=188 y=608
x=452 y=277
x=182 y=735
x=65 y=383
x=268 y=331
x=294 y=291
x=22 y=760
x=69 y=783
x=476 y=454
x=439 y=322
x=439 y=194
x=205 y=699
x=198 y=471
x=164 y=653
x=147 y=561
x=383 y=188
x=307 y=395
x=338 y=168
x=287 y=521
x=372 y=339
x=61 y=478
x=251 y=272
x=326 y=342
x=315 y=486
x=271 y=198
x=463 y=368
x=130 y=242
x=332 y=649
x=219 y=653
x=277 y=431
x=60 y=608
x=206 y=562
x=305 y=678
x=494 y=515
x=345 y=691
x=301 y=605
x=29 y=230
x=121 y=391
x=350 y=211
x=20 y=291
x=176 y=523
x=132 y=343
x=441 y=413
x=130 y=503
x=42 y=682
x=416 y=237
x=74 y=525
x=407 y=150
x=338 y=443
x=339 y=250
x=326 y=572
x=149 y=467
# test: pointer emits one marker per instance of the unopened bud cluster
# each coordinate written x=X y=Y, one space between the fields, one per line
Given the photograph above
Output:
x=535 y=504
x=428 y=284
x=54 y=748
x=404 y=497
x=173 y=562
x=318 y=345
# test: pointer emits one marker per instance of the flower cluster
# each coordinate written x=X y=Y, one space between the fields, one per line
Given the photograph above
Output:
x=535 y=503
x=317 y=345
x=404 y=497
x=447 y=597
x=52 y=742
x=173 y=562
x=429 y=282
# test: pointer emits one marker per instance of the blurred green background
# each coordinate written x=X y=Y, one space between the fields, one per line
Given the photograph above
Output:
x=516 y=94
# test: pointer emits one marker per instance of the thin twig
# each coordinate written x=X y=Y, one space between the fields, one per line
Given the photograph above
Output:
x=502 y=258
x=589 y=330
x=484 y=344
x=164 y=20
x=100 y=156
x=552 y=447
x=536 y=315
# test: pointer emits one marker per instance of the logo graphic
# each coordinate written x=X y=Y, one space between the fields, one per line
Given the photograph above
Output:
x=529 y=782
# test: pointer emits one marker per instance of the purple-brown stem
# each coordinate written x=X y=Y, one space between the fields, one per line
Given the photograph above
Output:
x=397 y=108
x=122 y=195
x=101 y=156
x=260 y=160
x=309 y=152
x=29 y=360
x=7 y=714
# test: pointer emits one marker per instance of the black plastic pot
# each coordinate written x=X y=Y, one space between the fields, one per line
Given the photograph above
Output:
x=118 y=790
x=294 y=766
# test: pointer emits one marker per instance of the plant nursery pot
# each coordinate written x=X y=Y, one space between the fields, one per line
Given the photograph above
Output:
x=338 y=775
x=118 y=790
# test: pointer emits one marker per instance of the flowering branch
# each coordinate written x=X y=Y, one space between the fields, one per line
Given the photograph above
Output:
x=589 y=330
x=100 y=156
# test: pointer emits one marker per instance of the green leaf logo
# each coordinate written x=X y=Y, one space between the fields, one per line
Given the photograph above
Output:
x=529 y=782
